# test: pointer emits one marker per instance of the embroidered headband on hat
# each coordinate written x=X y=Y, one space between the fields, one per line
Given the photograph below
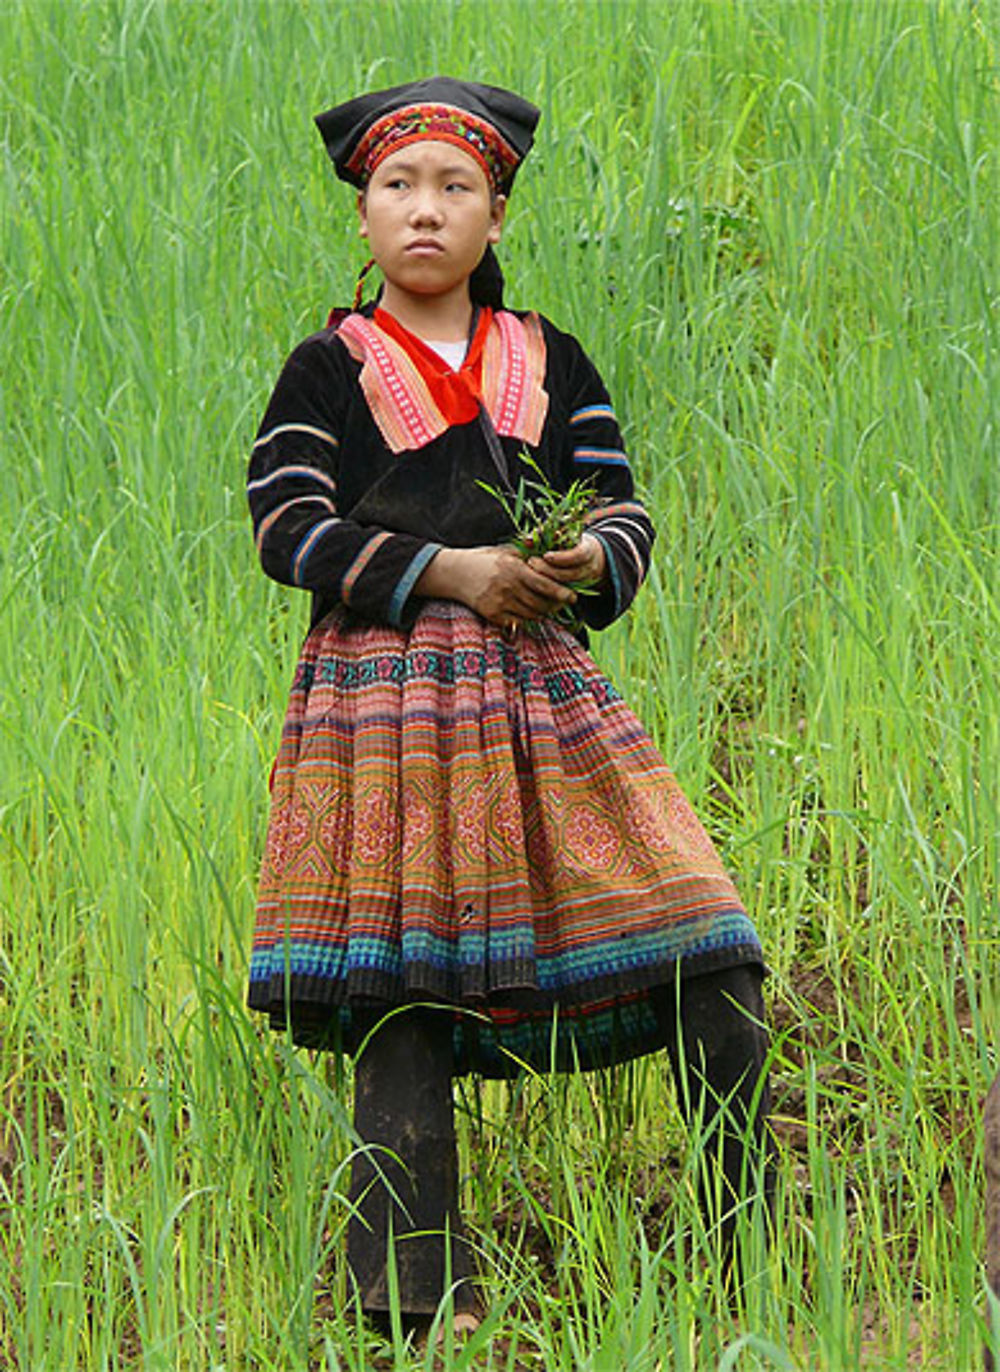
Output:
x=494 y=125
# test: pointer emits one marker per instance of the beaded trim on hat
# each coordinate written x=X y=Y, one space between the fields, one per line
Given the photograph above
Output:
x=445 y=122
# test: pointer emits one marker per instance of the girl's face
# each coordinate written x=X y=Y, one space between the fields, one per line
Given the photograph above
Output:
x=428 y=214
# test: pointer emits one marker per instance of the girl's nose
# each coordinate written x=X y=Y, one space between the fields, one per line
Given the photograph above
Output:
x=425 y=209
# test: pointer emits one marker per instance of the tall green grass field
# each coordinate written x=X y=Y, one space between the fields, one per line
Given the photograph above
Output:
x=774 y=225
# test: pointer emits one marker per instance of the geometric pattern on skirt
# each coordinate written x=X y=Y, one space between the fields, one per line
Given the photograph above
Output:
x=460 y=819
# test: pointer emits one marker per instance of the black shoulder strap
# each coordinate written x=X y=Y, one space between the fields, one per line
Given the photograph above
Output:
x=496 y=449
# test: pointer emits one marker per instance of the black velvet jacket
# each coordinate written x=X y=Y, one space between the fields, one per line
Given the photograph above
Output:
x=337 y=512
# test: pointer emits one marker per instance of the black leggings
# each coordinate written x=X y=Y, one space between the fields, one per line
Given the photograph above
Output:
x=406 y=1182
x=713 y=1026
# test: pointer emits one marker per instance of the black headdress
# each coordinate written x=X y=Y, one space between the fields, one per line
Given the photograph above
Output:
x=494 y=125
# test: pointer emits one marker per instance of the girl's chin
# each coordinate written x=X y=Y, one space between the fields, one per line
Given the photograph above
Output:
x=424 y=286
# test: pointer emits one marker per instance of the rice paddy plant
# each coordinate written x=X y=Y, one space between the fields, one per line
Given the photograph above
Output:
x=775 y=227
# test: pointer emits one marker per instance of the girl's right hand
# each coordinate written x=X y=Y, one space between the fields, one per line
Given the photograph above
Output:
x=496 y=583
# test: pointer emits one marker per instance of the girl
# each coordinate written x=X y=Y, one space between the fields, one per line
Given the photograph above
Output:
x=476 y=859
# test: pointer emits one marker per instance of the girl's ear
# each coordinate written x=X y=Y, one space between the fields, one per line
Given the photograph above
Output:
x=362 y=216
x=498 y=208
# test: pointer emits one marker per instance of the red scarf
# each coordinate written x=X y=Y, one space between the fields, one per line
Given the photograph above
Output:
x=456 y=394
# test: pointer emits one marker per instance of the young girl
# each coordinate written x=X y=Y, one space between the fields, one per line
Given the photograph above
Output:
x=476 y=858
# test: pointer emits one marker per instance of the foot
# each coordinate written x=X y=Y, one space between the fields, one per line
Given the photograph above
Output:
x=463 y=1326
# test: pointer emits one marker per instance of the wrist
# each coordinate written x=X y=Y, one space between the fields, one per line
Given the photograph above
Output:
x=446 y=575
x=434 y=580
x=598 y=558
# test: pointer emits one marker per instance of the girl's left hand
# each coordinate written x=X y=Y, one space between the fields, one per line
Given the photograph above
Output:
x=584 y=565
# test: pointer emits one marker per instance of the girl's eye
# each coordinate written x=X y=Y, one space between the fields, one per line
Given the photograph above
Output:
x=456 y=186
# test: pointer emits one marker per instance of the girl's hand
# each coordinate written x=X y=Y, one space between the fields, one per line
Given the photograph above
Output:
x=497 y=583
x=584 y=565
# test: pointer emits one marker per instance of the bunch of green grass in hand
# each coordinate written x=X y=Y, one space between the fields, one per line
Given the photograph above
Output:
x=547 y=520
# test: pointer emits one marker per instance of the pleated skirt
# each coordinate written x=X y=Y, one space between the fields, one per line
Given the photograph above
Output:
x=460 y=819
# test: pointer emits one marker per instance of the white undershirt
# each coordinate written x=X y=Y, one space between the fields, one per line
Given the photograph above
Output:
x=452 y=353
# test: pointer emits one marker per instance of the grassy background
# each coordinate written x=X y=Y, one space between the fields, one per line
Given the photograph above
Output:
x=774 y=225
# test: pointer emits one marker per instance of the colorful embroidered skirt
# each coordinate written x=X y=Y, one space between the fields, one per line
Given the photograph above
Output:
x=464 y=820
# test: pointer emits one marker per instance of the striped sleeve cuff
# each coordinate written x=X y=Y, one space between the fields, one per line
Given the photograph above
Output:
x=614 y=576
x=406 y=583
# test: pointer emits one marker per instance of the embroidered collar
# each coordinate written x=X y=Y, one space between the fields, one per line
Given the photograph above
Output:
x=414 y=396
